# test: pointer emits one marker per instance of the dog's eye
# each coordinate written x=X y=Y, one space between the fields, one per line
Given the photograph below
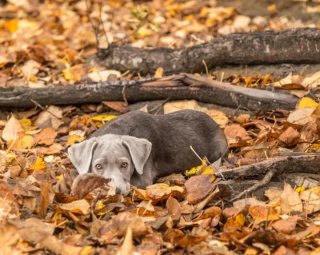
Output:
x=124 y=164
x=98 y=166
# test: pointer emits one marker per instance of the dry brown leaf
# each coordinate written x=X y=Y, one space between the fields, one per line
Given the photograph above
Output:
x=46 y=136
x=290 y=200
x=286 y=226
x=235 y=133
x=119 y=224
x=198 y=187
x=85 y=183
x=81 y=205
x=34 y=230
x=289 y=136
x=49 y=118
x=55 y=148
x=174 y=208
x=264 y=213
x=243 y=118
x=118 y=106
x=11 y=130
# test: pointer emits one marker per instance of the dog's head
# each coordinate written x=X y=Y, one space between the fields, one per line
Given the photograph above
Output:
x=112 y=156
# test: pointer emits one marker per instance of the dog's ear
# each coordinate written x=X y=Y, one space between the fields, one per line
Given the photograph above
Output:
x=139 y=149
x=81 y=155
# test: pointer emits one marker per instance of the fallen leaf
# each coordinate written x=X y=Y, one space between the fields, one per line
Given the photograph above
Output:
x=34 y=230
x=243 y=118
x=72 y=139
x=301 y=116
x=264 y=213
x=46 y=136
x=235 y=132
x=290 y=200
x=306 y=102
x=74 y=73
x=182 y=105
x=11 y=130
x=119 y=224
x=49 y=118
x=55 y=148
x=85 y=183
x=198 y=187
x=289 y=136
x=235 y=223
x=81 y=205
x=118 y=106
x=286 y=226
x=174 y=208
x=158 y=73
x=11 y=25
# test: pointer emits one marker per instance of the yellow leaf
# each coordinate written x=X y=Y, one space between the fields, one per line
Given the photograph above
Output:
x=26 y=124
x=299 y=189
x=240 y=219
x=60 y=177
x=86 y=250
x=208 y=170
x=103 y=118
x=272 y=7
x=159 y=73
x=34 y=163
x=74 y=138
x=194 y=170
x=33 y=79
x=74 y=73
x=11 y=25
x=306 y=102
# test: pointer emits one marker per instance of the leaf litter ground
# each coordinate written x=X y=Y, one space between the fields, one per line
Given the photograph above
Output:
x=42 y=210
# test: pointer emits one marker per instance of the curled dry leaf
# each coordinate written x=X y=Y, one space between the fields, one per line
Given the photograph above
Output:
x=198 y=187
x=34 y=230
x=210 y=212
x=85 y=183
x=79 y=206
x=264 y=213
x=118 y=106
x=289 y=136
x=46 y=136
x=11 y=129
x=234 y=223
x=55 y=148
x=119 y=224
x=174 y=208
x=162 y=191
x=286 y=226
x=50 y=118
x=235 y=132
x=290 y=200
x=243 y=118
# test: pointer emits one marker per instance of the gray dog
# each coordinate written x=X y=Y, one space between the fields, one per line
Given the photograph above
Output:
x=137 y=147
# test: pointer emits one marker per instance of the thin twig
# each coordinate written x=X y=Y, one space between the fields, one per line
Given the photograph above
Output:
x=124 y=94
x=44 y=109
x=266 y=179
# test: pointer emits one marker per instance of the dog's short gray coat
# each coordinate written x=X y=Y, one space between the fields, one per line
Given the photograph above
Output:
x=137 y=147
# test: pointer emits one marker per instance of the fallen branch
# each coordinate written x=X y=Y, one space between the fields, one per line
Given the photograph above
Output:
x=264 y=171
x=293 y=46
x=179 y=87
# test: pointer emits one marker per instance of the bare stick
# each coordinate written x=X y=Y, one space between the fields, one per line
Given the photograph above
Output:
x=266 y=179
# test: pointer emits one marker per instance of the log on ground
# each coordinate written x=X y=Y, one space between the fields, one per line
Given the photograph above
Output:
x=177 y=87
x=293 y=46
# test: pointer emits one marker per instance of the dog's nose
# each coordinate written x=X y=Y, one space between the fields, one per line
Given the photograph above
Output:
x=118 y=191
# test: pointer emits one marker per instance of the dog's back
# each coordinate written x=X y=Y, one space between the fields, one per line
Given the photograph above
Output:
x=171 y=136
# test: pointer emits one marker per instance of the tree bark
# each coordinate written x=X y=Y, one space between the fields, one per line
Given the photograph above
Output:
x=179 y=87
x=294 y=46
